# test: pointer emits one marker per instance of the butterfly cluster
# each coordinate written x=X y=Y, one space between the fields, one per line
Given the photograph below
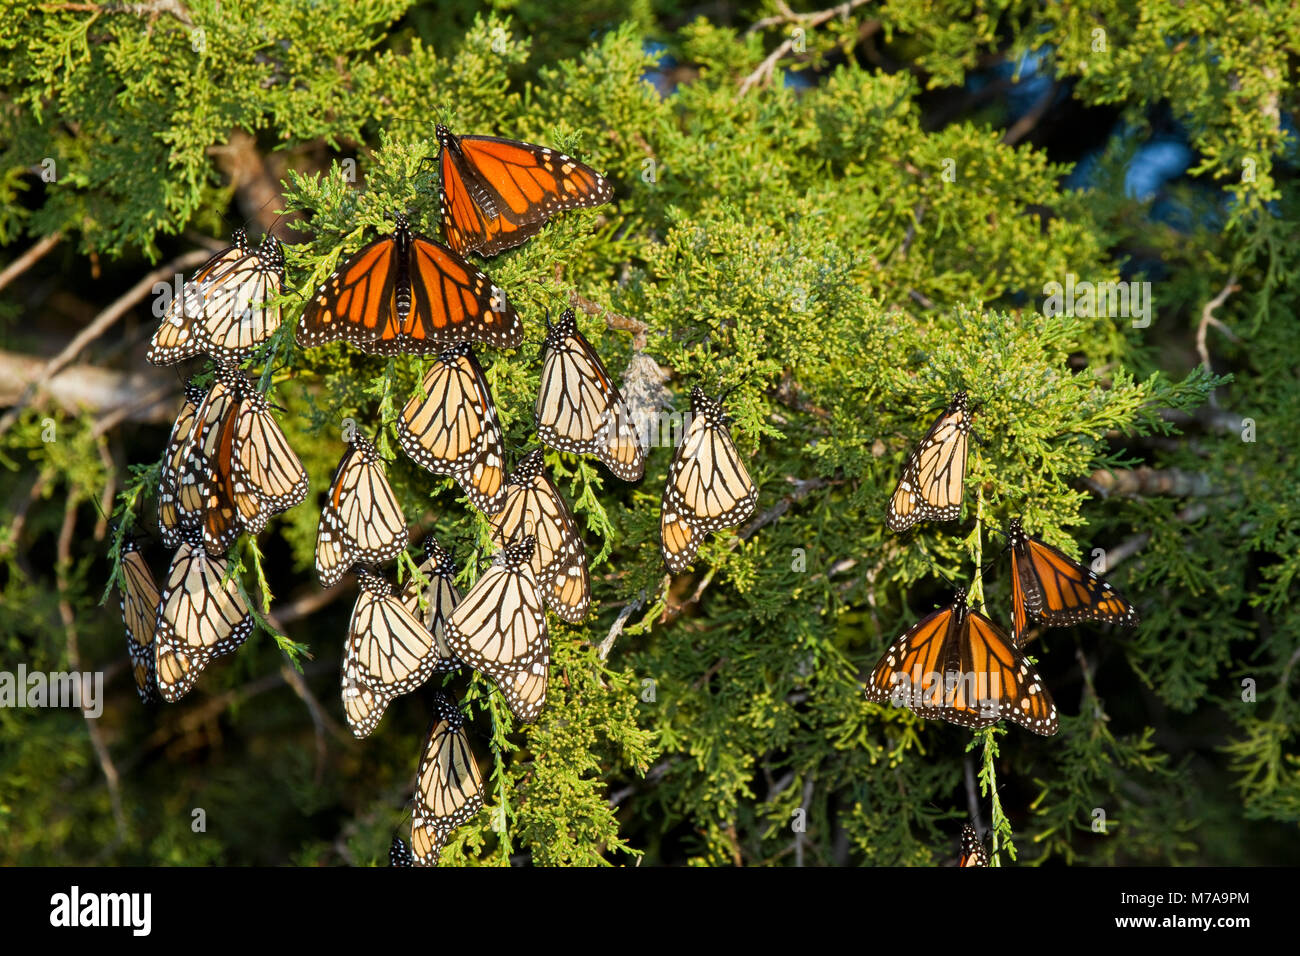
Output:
x=228 y=469
x=956 y=664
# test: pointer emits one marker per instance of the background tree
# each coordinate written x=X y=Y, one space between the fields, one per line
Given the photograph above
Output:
x=844 y=215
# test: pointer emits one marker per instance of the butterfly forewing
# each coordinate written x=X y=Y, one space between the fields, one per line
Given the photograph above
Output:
x=496 y=193
x=169 y=520
x=180 y=334
x=930 y=488
x=579 y=409
x=140 y=599
x=361 y=521
x=499 y=628
x=972 y=850
x=200 y=618
x=708 y=486
x=450 y=428
x=262 y=462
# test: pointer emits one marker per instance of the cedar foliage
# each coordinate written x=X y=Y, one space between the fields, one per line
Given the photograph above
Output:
x=799 y=243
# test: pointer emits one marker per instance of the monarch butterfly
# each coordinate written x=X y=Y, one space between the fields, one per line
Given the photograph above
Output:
x=708 y=487
x=199 y=618
x=534 y=507
x=406 y=293
x=579 y=409
x=440 y=599
x=1060 y=591
x=931 y=486
x=389 y=653
x=499 y=628
x=140 y=601
x=399 y=853
x=226 y=310
x=361 y=522
x=957 y=665
x=427 y=840
x=451 y=428
x=448 y=789
x=169 y=521
x=237 y=469
x=262 y=461
x=972 y=850
x=496 y=193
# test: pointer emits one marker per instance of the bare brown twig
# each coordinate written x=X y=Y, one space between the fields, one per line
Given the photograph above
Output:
x=98 y=327
x=29 y=258
x=765 y=69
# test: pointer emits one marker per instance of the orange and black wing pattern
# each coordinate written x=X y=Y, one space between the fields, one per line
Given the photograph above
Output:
x=972 y=850
x=1058 y=590
x=930 y=488
x=957 y=665
x=496 y=193
x=405 y=293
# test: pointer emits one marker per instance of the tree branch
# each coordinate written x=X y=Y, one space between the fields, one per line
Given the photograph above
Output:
x=29 y=258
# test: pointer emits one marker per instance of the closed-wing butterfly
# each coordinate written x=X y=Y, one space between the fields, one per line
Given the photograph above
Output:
x=406 y=293
x=439 y=598
x=450 y=427
x=499 y=629
x=140 y=599
x=972 y=850
x=496 y=193
x=169 y=521
x=957 y=665
x=200 y=617
x=708 y=487
x=389 y=653
x=227 y=309
x=237 y=468
x=361 y=521
x=1057 y=589
x=448 y=787
x=930 y=488
x=579 y=409
x=533 y=506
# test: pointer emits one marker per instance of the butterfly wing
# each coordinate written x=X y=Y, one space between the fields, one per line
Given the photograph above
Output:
x=449 y=789
x=180 y=336
x=454 y=302
x=169 y=521
x=199 y=619
x=499 y=629
x=496 y=193
x=440 y=599
x=579 y=409
x=451 y=428
x=930 y=488
x=427 y=840
x=708 y=486
x=239 y=307
x=998 y=678
x=972 y=850
x=356 y=302
x=533 y=506
x=394 y=651
x=911 y=671
x=1061 y=591
x=263 y=463
x=361 y=521
x=140 y=599
x=399 y=853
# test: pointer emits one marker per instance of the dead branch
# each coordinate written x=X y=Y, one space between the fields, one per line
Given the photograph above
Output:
x=29 y=258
